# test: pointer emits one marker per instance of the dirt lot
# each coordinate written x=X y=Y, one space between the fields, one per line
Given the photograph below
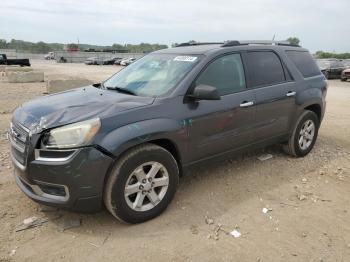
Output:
x=307 y=199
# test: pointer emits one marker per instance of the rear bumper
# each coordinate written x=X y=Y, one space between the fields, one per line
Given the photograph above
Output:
x=75 y=183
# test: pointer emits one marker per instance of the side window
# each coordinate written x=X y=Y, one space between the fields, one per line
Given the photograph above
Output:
x=265 y=68
x=304 y=62
x=225 y=73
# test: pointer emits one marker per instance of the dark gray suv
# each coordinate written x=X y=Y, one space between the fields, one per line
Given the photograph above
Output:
x=125 y=142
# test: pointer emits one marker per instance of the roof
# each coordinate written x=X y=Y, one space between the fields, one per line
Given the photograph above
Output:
x=195 y=48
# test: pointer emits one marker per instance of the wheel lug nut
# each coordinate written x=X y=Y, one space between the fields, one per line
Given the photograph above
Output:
x=152 y=183
x=144 y=181
x=150 y=179
x=143 y=192
x=141 y=187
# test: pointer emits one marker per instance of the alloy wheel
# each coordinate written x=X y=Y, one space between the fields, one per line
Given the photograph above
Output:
x=306 y=135
x=146 y=186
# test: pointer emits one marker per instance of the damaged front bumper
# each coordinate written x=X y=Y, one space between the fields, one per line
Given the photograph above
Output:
x=71 y=179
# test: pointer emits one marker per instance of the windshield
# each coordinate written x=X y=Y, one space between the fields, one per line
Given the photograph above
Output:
x=153 y=75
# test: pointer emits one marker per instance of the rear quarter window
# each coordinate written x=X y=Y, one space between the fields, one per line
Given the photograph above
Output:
x=304 y=63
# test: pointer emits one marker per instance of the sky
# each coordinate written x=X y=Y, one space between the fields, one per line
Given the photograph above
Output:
x=319 y=24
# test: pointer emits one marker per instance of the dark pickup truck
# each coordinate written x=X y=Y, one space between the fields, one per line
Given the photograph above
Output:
x=21 y=62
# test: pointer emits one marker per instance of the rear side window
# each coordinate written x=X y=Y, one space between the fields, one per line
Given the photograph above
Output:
x=265 y=68
x=304 y=62
x=225 y=73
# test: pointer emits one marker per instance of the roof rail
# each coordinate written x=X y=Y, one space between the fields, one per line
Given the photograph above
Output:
x=258 y=42
x=239 y=43
x=192 y=43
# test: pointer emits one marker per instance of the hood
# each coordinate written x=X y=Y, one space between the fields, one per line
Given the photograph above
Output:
x=347 y=70
x=73 y=106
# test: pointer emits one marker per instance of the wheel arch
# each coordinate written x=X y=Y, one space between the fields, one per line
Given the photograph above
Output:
x=316 y=108
x=166 y=133
x=172 y=147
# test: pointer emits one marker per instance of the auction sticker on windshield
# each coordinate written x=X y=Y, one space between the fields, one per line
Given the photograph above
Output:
x=185 y=58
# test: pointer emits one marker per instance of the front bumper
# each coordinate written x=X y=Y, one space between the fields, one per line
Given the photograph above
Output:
x=72 y=182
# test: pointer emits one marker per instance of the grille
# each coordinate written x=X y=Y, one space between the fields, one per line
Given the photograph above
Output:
x=347 y=73
x=19 y=141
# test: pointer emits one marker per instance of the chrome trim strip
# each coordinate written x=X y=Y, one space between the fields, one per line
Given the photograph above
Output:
x=24 y=128
x=53 y=159
x=18 y=164
x=16 y=145
x=37 y=190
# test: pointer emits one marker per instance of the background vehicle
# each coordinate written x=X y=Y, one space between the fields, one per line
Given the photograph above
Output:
x=5 y=61
x=346 y=62
x=128 y=61
x=127 y=141
x=117 y=61
x=331 y=68
x=93 y=61
x=111 y=61
x=345 y=75
x=50 y=56
x=62 y=60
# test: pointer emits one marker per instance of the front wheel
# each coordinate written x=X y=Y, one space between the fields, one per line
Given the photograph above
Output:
x=142 y=184
x=304 y=135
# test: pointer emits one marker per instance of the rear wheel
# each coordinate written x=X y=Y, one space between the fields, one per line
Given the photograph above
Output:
x=142 y=184
x=343 y=79
x=304 y=135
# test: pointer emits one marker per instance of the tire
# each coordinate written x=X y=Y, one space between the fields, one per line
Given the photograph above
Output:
x=293 y=147
x=140 y=161
x=343 y=79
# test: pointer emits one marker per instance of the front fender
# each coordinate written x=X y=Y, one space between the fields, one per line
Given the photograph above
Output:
x=125 y=137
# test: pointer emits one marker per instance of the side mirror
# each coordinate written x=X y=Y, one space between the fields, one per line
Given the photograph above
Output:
x=205 y=92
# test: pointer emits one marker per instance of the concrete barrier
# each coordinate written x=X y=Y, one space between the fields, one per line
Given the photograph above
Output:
x=59 y=85
x=25 y=77
x=11 y=69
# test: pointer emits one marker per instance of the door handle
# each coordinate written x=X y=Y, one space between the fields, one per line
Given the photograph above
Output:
x=291 y=93
x=246 y=104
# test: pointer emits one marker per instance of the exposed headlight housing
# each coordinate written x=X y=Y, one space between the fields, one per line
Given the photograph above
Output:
x=71 y=136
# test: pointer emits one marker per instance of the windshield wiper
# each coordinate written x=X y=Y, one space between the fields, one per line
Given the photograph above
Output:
x=122 y=90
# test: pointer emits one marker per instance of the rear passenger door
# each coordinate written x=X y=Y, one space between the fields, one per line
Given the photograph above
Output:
x=274 y=93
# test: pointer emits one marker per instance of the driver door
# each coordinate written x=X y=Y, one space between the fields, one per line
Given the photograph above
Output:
x=218 y=126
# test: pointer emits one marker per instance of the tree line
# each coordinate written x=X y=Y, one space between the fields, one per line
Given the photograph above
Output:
x=321 y=54
x=42 y=47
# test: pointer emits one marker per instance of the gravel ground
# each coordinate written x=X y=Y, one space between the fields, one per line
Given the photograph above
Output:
x=306 y=200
